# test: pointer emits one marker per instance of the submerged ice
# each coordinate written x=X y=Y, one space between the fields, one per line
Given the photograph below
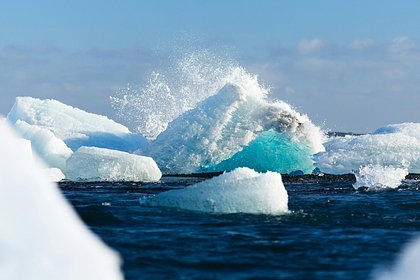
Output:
x=395 y=146
x=240 y=191
x=238 y=127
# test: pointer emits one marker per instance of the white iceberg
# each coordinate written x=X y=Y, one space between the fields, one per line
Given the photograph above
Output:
x=240 y=191
x=407 y=267
x=74 y=126
x=238 y=127
x=41 y=237
x=376 y=177
x=395 y=145
x=98 y=164
x=46 y=145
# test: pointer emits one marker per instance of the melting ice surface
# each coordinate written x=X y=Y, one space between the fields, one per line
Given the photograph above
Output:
x=98 y=164
x=395 y=146
x=41 y=237
x=376 y=177
x=237 y=127
x=74 y=126
x=240 y=191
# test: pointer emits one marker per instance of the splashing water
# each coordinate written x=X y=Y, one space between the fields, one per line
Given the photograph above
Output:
x=376 y=177
x=167 y=94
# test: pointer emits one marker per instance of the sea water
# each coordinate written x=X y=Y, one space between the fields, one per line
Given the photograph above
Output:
x=331 y=232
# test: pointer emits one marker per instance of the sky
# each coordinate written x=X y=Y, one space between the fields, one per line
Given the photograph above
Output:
x=350 y=65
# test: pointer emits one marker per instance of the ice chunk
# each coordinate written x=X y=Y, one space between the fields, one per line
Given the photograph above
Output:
x=237 y=128
x=98 y=164
x=376 y=177
x=396 y=146
x=55 y=174
x=50 y=148
x=240 y=191
x=74 y=126
x=407 y=267
x=41 y=237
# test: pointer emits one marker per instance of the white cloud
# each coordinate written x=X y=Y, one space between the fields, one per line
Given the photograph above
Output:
x=360 y=45
x=310 y=46
x=401 y=46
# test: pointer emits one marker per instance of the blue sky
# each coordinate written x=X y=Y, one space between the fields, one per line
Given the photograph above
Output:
x=350 y=65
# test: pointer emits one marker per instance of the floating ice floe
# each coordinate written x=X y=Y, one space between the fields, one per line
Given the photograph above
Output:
x=47 y=146
x=98 y=164
x=41 y=237
x=407 y=267
x=74 y=126
x=395 y=146
x=238 y=127
x=242 y=190
x=376 y=177
x=25 y=146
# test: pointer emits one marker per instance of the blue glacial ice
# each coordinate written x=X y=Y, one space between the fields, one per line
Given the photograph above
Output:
x=238 y=127
x=396 y=146
x=240 y=191
x=41 y=236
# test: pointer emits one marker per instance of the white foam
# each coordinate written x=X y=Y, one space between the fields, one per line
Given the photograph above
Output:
x=241 y=191
x=407 y=266
x=41 y=237
x=396 y=146
x=98 y=164
x=375 y=177
x=74 y=126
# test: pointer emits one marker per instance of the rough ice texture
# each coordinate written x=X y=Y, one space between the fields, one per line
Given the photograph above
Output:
x=407 y=267
x=74 y=126
x=239 y=124
x=240 y=191
x=41 y=237
x=395 y=145
x=376 y=177
x=47 y=146
x=98 y=164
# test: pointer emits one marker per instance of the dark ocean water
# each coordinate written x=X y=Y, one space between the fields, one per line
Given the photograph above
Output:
x=332 y=232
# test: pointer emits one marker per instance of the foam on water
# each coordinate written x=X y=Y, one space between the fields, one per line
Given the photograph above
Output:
x=395 y=145
x=375 y=177
x=240 y=191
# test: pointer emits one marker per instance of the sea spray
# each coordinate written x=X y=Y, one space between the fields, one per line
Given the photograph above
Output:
x=189 y=79
x=376 y=177
x=205 y=110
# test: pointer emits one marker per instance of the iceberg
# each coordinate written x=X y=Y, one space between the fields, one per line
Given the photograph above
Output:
x=46 y=145
x=238 y=127
x=396 y=145
x=99 y=164
x=41 y=237
x=74 y=126
x=376 y=177
x=242 y=190
x=407 y=266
